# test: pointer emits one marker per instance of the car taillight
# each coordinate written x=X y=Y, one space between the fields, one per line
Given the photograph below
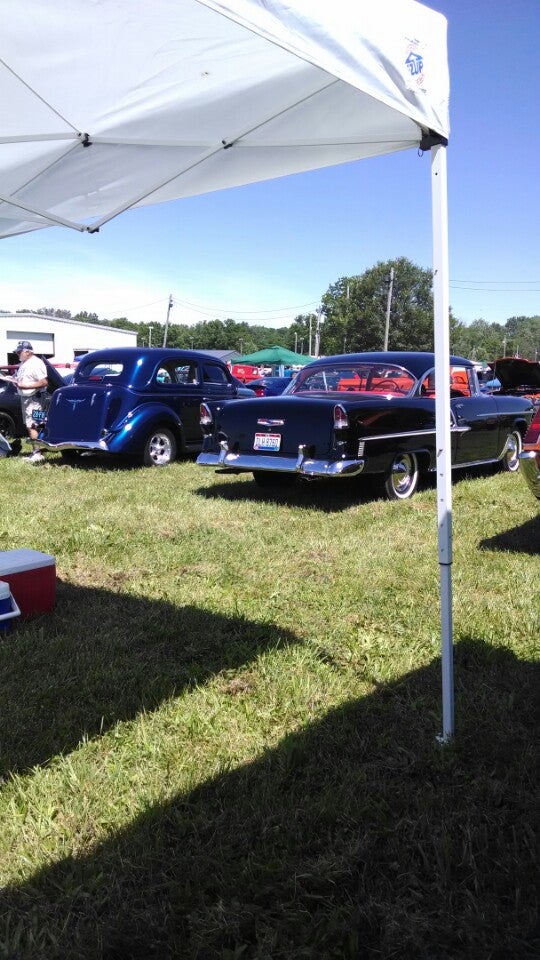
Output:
x=341 y=420
x=259 y=391
x=206 y=419
x=533 y=433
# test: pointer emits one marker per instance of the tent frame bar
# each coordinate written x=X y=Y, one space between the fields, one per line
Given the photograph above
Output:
x=441 y=309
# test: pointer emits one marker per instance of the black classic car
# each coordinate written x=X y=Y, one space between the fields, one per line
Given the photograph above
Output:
x=365 y=413
x=138 y=402
x=11 y=421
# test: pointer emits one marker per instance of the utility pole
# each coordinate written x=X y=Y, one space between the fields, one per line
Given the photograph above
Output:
x=149 y=334
x=309 y=349
x=318 y=332
x=296 y=342
x=165 y=332
x=388 y=305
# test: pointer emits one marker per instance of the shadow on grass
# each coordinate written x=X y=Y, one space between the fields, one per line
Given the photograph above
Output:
x=104 y=462
x=522 y=539
x=327 y=496
x=101 y=657
x=358 y=838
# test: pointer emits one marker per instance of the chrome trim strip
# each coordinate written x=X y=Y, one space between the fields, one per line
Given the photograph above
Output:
x=70 y=445
x=412 y=433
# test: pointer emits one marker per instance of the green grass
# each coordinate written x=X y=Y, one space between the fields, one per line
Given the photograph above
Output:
x=222 y=743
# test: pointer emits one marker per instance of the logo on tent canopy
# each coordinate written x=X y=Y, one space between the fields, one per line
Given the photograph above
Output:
x=415 y=63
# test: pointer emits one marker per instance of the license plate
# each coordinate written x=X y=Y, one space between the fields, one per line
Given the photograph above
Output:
x=267 y=441
x=38 y=416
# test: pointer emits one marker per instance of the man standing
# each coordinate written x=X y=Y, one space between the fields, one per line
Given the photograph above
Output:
x=31 y=380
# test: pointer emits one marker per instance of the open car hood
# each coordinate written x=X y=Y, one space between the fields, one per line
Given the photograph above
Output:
x=55 y=379
x=515 y=373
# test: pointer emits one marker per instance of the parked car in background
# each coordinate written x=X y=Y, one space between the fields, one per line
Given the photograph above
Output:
x=141 y=402
x=530 y=457
x=515 y=376
x=11 y=421
x=270 y=386
x=367 y=413
x=245 y=372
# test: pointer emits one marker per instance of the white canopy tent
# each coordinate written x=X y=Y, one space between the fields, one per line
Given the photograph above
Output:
x=114 y=104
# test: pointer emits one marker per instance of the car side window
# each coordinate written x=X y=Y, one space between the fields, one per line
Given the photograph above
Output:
x=163 y=375
x=427 y=387
x=186 y=373
x=459 y=382
x=214 y=374
x=174 y=372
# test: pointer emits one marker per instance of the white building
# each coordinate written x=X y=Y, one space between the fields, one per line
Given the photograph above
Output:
x=60 y=341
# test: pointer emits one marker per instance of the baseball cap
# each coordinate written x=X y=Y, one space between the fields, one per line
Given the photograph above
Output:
x=23 y=345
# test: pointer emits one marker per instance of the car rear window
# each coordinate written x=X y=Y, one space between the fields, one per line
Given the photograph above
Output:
x=97 y=370
x=355 y=378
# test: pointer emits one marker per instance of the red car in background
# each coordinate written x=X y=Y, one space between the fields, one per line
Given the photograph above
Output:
x=245 y=372
x=529 y=460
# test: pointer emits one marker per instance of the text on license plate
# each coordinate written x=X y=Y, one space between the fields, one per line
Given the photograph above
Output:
x=267 y=441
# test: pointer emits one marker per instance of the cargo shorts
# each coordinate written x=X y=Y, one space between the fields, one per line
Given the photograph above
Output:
x=33 y=411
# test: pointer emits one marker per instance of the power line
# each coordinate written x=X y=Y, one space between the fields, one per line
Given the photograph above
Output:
x=457 y=286
x=233 y=310
x=495 y=281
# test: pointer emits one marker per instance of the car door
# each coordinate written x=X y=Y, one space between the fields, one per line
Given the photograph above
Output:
x=177 y=384
x=479 y=416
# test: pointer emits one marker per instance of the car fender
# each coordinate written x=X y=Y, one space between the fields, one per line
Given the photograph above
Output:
x=130 y=434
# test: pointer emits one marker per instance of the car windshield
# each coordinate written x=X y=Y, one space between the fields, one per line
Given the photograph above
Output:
x=98 y=370
x=362 y=377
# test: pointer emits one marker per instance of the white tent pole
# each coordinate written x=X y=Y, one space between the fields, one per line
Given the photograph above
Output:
x=439 y=195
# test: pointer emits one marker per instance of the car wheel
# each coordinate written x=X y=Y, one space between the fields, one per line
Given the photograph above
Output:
x=269 y=478
x=510 y=460
x=160 y=448
x=402 y=479
x=7 y=425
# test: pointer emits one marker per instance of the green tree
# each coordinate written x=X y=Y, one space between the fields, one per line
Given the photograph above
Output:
x=355 y=309
x=522 y=336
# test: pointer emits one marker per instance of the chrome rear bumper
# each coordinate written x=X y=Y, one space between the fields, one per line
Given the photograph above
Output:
x=528 y=463
x=302 y=466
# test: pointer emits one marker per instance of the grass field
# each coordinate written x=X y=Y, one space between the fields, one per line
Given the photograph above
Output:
x=222 y=743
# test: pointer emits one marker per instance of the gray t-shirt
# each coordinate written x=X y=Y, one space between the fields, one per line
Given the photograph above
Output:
x=32 y=370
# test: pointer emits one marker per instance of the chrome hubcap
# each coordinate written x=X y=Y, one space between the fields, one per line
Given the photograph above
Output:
x=160 y=449
x=402 y=475
x=512 y=452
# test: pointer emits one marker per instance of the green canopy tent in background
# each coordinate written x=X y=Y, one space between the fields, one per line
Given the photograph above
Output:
x=278 y=357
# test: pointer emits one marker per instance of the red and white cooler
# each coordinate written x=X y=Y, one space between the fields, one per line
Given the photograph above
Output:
x=32 y=579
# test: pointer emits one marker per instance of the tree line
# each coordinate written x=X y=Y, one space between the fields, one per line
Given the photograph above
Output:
x=390 y=302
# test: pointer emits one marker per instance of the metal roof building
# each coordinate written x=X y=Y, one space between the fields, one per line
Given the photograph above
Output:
x=56 y=338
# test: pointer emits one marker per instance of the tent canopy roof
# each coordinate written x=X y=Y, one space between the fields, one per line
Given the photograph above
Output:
x=108 y=106
x=279 y=355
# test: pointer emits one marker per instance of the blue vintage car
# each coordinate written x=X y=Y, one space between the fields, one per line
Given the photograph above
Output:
x=365 y=413
x=136 y=402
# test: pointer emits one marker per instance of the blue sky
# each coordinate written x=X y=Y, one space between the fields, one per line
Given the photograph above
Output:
x=266 y=252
